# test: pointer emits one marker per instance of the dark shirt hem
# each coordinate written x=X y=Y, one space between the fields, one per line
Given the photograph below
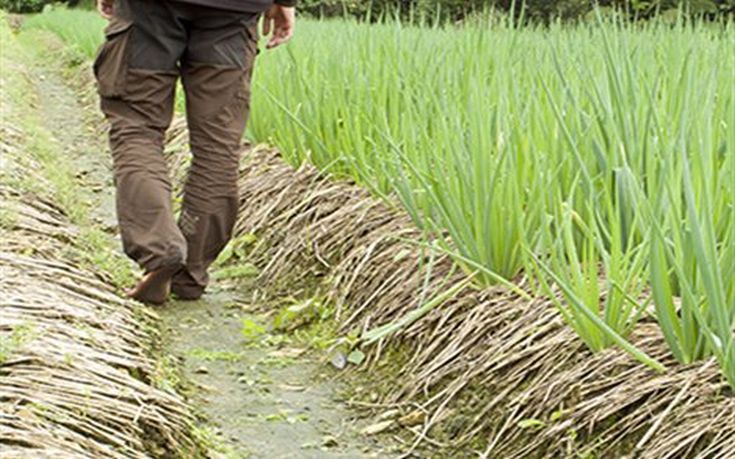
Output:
x=243 y=6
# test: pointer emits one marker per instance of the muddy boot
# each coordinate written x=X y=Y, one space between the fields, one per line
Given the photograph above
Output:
x=155 y=286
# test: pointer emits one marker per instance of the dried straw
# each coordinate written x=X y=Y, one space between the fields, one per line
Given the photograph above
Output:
x=76 y=377
x=487 y=365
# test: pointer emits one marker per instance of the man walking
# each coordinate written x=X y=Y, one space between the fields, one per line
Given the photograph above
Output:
x=211 y=45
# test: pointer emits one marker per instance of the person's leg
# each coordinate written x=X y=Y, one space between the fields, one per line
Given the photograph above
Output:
x=137 y=70
x=216 y=70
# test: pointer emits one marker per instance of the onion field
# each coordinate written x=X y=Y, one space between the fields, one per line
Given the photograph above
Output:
x=592 y=164
x=596 y=159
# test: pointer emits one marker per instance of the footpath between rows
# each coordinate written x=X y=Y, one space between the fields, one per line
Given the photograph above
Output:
x=257 y=394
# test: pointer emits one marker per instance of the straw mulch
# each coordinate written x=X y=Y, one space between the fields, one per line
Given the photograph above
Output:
x=491 y=371
x=76 y=378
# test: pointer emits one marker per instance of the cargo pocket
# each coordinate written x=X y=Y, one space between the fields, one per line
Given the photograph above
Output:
x=111 y=64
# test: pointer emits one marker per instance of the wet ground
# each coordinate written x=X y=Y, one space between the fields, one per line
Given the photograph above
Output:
x=268 y=398
x=65 y=116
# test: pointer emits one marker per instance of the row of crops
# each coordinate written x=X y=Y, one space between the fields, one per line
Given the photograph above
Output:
x=593 y=160
x=597 y=159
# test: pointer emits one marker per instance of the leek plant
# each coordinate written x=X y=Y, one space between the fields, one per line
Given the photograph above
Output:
x=692 y=261
x=602 y=286
x=692 y=255
x=692 y=284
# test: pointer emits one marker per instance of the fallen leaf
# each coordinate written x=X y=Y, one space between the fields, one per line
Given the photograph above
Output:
x=292 y=388
x=356 y=357
x=413 y=418
x=377 y=428
x=390 y=414
x=247 y=381
x=309 y=445
x=288 y=352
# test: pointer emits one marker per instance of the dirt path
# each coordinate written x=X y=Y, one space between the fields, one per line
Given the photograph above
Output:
x=64 y=117
x=272 y=400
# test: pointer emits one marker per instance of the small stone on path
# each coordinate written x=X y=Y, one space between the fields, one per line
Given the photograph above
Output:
x=329 y=441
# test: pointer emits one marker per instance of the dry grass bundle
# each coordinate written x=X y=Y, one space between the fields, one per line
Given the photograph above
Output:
x=177 y=147
x=295 y=215
x=535 y=389
x=486 y=365
x=33 y=223
x=76 y=377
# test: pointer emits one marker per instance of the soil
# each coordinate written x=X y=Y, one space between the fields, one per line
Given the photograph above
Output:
x=64 y=115
x=269 y=400
x=266 y=401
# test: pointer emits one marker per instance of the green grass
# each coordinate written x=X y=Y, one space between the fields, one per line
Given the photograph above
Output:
x=11 y=342
x=81 y=30
x=597 y=159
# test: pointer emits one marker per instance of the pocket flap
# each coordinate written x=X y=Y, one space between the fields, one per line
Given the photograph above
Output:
x=117 y=26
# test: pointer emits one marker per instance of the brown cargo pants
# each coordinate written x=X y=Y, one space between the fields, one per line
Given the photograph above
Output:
x=149 y=45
